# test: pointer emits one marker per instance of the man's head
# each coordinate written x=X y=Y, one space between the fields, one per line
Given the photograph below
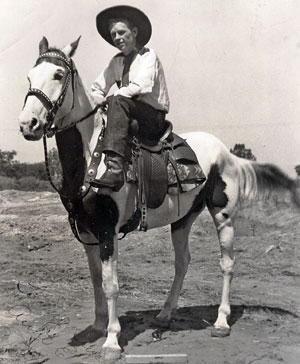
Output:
x=123 y=34
x=124 y=25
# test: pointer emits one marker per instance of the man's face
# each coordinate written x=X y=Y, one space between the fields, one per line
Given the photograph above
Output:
x=123 y=37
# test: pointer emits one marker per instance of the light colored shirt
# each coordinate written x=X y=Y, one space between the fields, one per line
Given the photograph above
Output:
x=146 y=80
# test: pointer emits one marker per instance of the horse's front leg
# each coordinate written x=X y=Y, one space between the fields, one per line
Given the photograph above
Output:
x=100 y=324
x=109 y=256
x=98 y=329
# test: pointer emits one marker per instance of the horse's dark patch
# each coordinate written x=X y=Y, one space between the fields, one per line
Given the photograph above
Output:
x=216 y=196
x=212 y=194
x=107 y=216
x=70 y=149
x=225 y=215
x=197 y=206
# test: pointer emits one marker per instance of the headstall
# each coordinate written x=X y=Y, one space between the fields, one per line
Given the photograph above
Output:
x=53 y=107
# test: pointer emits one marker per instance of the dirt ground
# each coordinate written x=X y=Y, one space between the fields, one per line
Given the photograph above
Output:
x=46 y=293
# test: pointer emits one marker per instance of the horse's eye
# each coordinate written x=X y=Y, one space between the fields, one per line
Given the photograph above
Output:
x=58 y=76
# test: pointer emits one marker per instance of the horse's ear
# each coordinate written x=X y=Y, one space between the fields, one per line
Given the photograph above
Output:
x=43 y=46
x=70 y=49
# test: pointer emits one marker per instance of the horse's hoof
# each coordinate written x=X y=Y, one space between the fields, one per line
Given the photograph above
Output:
x=111 y=354
x=162 y=322
x=220 y=331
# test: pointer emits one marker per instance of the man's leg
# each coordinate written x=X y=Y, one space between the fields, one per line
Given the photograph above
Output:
x=115 y=143
x=118 y=116
x=120 y=110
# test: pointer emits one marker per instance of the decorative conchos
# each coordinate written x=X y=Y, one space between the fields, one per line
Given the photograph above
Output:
x=82 y=189
x=91 y=172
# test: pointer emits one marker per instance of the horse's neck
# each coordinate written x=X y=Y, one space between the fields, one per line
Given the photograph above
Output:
x=90 y=128
x=75 y=145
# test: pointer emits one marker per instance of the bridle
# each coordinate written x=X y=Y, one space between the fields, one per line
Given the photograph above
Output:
x=50 y=130
x=53 y=107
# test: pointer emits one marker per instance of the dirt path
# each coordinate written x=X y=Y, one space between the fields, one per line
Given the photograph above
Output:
x=46 y=293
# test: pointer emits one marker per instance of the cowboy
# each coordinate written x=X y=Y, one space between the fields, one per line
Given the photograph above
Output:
x=142 y=93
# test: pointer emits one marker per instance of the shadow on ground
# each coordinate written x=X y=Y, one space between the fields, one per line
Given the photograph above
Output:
x=133 y=323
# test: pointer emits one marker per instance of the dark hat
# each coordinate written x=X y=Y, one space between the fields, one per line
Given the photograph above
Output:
x=134 y=15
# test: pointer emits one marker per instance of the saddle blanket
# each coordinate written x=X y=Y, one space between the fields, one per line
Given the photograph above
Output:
x=188 y=175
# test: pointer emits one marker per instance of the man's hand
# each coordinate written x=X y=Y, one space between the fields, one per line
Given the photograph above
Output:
x=103 y=105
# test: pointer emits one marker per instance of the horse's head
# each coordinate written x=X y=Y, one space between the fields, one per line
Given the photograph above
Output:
x=50 y=97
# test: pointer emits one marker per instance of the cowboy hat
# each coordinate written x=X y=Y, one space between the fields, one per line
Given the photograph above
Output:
x=134 y=15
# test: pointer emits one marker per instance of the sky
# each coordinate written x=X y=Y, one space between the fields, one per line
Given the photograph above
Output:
x=232 y=66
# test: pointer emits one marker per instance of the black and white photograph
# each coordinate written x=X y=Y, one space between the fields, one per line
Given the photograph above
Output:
x=150 y=181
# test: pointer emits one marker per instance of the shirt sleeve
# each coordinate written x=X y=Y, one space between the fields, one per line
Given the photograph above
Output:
x=103 y=83
x=144 y=80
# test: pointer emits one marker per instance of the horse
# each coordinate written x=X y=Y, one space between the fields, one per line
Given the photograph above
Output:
x=55 y=100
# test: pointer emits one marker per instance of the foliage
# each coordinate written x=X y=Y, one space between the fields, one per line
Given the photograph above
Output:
x=297 y=169
x=241 y=151
x=7 y=183
x=24 y=184
x=28 y=176
x=7 y=163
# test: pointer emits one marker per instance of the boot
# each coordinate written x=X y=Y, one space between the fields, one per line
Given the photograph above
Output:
x=113 y=177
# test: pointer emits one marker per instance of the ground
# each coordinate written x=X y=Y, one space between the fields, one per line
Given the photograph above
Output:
x=46 y=293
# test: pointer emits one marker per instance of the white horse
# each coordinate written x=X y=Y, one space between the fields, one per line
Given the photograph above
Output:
x=55 y=99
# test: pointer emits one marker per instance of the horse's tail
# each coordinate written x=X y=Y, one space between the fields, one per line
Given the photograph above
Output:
x=260 y=180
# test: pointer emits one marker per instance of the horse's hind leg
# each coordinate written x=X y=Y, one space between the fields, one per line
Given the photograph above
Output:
x=223 y=216
x=180 y=235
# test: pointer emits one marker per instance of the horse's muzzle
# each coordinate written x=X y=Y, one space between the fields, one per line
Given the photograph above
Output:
x=31 y=130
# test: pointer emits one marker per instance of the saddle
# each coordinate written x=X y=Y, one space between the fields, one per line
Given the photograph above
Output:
x=169 y=166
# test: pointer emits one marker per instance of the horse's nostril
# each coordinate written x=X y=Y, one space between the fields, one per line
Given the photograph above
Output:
x=34 y=122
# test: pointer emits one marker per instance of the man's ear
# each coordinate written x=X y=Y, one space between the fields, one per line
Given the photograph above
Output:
x=135 y=31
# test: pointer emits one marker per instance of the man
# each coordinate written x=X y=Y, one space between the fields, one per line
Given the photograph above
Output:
x=142 y=93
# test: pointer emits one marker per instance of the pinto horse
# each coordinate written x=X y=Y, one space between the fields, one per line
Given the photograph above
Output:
x=56 y=98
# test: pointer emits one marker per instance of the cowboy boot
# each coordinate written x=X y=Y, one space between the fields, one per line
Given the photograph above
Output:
x=113 y=177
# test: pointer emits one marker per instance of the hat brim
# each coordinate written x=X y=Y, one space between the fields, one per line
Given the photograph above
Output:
x=134 y=15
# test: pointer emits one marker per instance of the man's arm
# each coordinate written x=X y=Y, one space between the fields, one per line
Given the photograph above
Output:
x=102 y=84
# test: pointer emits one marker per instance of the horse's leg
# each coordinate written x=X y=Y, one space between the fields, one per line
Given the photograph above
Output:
x=109 y=256
x=180 y=239
x=223 y=208
x=98 y=329
x=93 y=255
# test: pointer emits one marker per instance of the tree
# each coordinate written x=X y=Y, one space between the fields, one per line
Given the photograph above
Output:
x=241 y=151
x=8 y=163
x=297 y=169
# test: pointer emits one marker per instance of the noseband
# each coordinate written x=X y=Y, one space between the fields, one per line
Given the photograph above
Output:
x=53 y=107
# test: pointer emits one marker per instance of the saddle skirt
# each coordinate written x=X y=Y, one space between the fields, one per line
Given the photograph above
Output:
x=169 y=167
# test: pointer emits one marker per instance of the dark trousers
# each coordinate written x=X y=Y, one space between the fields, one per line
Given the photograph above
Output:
x=121 y=110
